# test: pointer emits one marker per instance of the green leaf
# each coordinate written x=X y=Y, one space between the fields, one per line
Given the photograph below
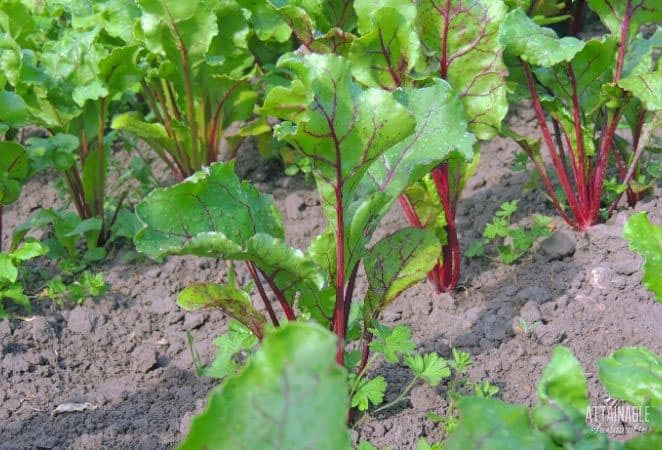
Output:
x=536 y=45
x=165 y=25
x=15 y=293
x=647 y=87
x=8 y=269
x=563 y=383
x=392 y=342
x=345 y=128
x=291 y=395
x=645 y=238
x=13 y=171
x=612 y=14
x=236 y=340
x=645 y=441
x=397 y=262
x=469 y=58
x=154 y=134
x=13 y=110
x=210 y=214
x=389 y=47
x=634 y=374
x=214 y=214
x=233 y=301
x=440 y=130
x=319 y=26
x=592 y=66
x=369 y=391
x=29 y=250
x=430 y=367
x=266 y=22
x=487 y=423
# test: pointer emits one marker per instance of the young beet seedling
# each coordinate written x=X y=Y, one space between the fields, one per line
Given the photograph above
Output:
x=588 y=89
x=401 y=44
x=348 y=133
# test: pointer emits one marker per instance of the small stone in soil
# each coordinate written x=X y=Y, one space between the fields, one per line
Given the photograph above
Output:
x=549 y=335
x=294 y=204
x=530 y=312
x=144 y=358
x=82 y=320
x=558 y=246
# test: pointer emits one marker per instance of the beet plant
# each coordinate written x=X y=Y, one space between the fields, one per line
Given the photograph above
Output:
x=399 y=44
x=198 y=80
x=68 y=84
x=348 y=132
x=587 y=90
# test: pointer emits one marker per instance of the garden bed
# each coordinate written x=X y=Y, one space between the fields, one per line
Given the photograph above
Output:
x=127 y=353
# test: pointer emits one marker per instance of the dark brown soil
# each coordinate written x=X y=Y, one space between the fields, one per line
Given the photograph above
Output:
x=127 y=353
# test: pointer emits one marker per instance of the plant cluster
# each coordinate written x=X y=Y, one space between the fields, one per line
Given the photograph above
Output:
x=381 y=103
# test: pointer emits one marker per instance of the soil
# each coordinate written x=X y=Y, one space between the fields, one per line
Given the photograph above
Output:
x=126 y=354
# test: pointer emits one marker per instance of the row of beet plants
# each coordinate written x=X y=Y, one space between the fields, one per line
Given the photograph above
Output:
x=388 y=101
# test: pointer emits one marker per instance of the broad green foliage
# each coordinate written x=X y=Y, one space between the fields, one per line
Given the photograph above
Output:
x=197 y=79
x=345 y=128
x=470 y=56
x=645 y=238
x=11 y=283
x=612 y=13
x=13 y=171
x=292 y=395
x=213 y=214
x=559 y=420
x=67 y=75
x=68 y=229
x=388 y=48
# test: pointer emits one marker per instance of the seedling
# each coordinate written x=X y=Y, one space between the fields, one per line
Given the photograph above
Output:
x=512 y=241
x=11 y=275
x=587 y=93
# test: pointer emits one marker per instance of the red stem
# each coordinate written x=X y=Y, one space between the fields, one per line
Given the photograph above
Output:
x=263 y=294
x=451 y=251
x=412 y=217
x=339 y=311
x=287 y=308
x=560 y=169
x=579 y=161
